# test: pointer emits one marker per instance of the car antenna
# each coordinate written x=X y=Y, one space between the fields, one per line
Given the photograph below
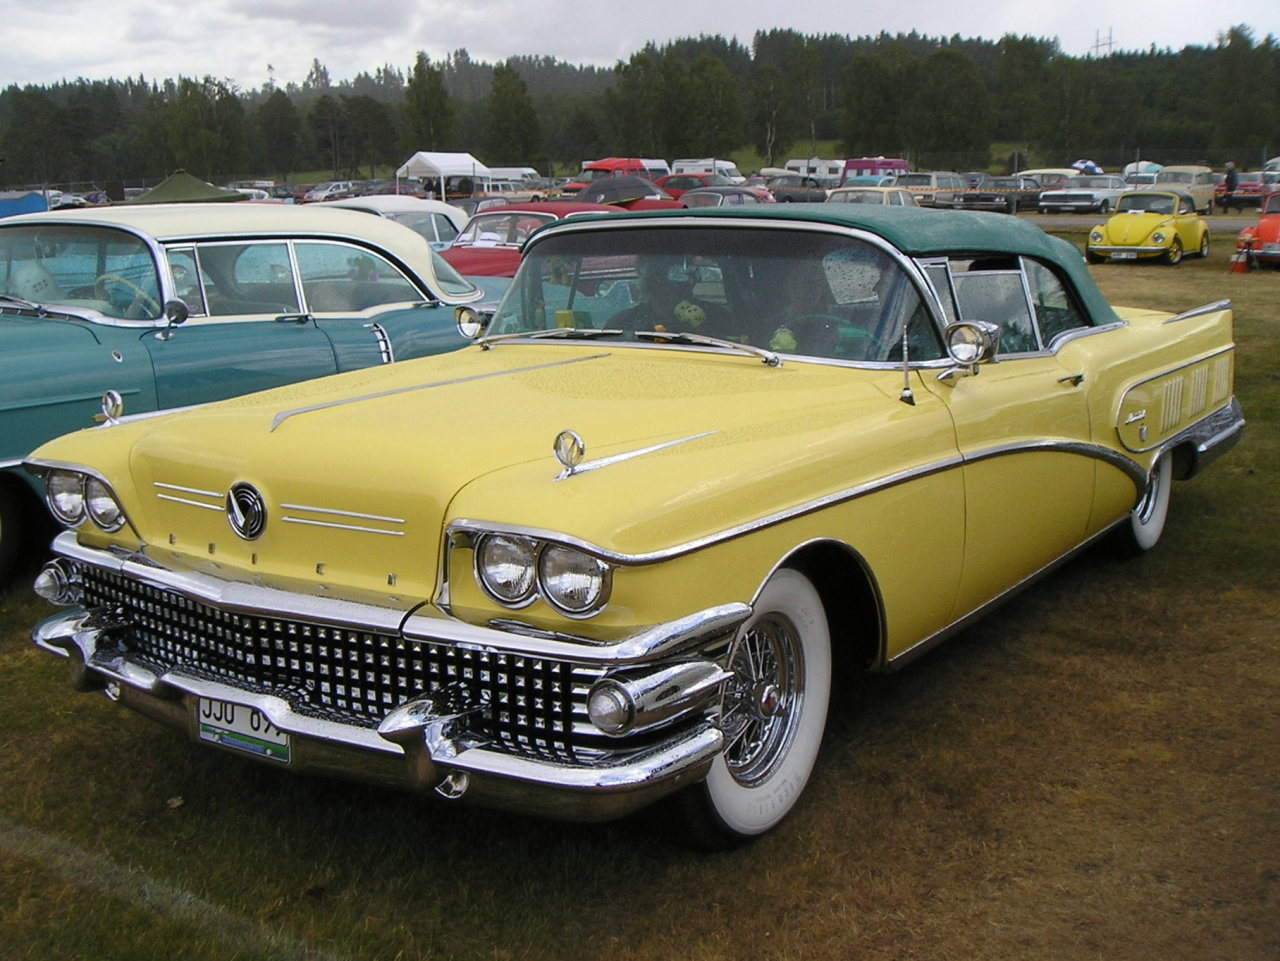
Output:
x=907 y=397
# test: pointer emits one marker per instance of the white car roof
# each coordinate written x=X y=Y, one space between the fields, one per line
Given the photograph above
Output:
x=179 y=222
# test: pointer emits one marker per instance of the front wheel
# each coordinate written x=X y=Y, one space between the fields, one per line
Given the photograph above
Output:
x=773 y=713
x=1174 y=254
x=1093 y=258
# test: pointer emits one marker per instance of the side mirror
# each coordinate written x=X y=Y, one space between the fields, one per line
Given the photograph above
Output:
x=472 y=323
x=176 y=312
x=970 y=343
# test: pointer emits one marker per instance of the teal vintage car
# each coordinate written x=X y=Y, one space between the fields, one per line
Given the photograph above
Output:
x=179 y=304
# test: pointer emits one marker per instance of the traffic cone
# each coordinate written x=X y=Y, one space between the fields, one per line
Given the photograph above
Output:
x=1240 y=262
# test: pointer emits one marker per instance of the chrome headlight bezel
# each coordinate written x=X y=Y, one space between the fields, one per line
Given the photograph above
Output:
x=1158 y=238
x=514 y=567
x=1095 y=236
x=64 y=496
x=488 y=564
x=559 y=565
x=102 y=506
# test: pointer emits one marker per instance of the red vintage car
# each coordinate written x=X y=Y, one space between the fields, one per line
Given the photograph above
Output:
x=489 y=245
x=1262 y=240
x=1251 y=187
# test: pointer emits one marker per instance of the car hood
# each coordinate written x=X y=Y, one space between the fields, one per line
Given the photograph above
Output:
x=1135 y=228
x=360 y=472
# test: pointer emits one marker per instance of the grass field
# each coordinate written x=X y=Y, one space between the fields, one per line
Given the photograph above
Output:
x=1092 y=772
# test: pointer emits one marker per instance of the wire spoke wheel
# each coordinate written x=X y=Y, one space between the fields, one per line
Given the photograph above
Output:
x=773 y=712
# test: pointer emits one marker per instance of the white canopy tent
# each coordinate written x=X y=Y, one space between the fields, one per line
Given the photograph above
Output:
x=425 y=165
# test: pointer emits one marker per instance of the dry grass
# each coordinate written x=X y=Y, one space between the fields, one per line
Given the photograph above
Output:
x=1090 y=773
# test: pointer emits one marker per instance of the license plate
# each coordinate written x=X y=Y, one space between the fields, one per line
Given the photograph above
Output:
x=1271 y=248
x=1124 y=255
x=241 y=728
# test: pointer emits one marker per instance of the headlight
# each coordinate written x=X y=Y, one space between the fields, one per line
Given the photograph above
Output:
x=101 y=505
x=571 y=580
x=1158 y=238
x=64 y=493
x=1096 y=236
x=506 y=566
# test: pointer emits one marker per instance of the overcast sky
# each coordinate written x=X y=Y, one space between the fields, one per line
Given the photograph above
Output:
x=237 y=39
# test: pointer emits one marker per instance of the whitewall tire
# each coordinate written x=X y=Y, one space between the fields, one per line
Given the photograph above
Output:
x=774 y=713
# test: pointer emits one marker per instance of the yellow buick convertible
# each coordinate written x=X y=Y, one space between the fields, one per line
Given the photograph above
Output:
x=627 y=543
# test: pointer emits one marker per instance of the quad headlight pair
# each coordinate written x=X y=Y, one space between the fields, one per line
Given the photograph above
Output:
x=513 y=570
x=74 y=497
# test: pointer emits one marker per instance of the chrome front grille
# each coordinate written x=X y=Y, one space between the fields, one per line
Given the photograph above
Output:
x=536 y=706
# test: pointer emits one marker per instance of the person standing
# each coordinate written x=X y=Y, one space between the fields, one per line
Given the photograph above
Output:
x=1229 y=187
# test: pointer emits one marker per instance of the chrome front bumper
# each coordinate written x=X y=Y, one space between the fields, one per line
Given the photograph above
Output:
x=424 y=744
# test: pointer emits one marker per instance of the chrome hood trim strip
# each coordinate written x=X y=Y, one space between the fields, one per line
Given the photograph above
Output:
x=283 y=416
x=591 y=465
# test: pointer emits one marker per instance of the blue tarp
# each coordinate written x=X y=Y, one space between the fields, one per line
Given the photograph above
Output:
x=14 y=202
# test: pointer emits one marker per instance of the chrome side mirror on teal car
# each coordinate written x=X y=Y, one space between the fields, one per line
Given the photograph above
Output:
x=175 y=312
x=970 y=343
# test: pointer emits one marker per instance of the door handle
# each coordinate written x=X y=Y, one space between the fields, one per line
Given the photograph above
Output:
x=1075 y=380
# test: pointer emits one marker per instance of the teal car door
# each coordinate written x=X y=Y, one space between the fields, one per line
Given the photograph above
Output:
x=246 y=330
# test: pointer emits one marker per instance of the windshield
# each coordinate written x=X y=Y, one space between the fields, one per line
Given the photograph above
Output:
x=99 y=268
x=857 y=197
x=501 y=228
x=790 y=291
x=1146 y=203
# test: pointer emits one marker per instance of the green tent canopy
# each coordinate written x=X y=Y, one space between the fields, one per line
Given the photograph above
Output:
x=182 y=188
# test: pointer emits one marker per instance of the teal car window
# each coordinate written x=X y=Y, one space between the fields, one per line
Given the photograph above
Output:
x=247 y=278
x=340 y=277
x=101 y=268
x=186 y=279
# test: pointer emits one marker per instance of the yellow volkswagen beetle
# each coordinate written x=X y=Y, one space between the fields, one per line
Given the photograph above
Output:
x=1148 y=224
x=698 y=470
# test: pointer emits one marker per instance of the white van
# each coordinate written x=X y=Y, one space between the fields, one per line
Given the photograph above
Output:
x=514 y=173
x=818 y=167
x=709 y=165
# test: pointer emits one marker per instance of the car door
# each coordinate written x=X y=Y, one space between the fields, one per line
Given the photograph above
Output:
x=245 y=332
x=1022 y=427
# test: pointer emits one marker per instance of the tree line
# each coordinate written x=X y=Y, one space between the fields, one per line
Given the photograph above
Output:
x=941 y=102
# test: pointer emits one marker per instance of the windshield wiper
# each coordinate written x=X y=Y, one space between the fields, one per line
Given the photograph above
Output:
x=19 y=302
x=769 y=358
x=585 y=333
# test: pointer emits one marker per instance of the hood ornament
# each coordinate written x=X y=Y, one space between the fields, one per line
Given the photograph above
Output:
x=569 y=450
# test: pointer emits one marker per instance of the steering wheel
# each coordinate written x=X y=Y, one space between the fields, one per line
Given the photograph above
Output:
x=140 y=297
x=840 y=329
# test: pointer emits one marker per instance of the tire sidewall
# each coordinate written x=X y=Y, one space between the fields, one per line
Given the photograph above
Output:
x=748 y=811
x=1145 y=527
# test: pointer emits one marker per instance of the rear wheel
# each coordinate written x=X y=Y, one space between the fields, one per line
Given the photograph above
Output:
x=1204 y=245
x=1104 y=207
x=773 y=713
x=1145 y=524
x=1174 y=254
